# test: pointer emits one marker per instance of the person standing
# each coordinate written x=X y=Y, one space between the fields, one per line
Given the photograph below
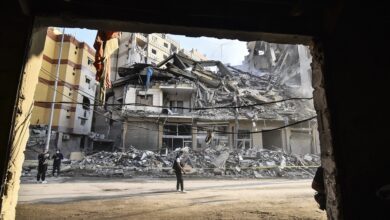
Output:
x=43 y=160
x=179 y=171
x=57 y=157
x=319 y=186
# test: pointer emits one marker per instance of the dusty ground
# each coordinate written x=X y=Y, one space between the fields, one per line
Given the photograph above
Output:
x=156 y=199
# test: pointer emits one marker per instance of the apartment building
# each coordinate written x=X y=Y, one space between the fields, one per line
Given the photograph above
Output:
x=76 y=84
x=142 y=48
x=193 y=54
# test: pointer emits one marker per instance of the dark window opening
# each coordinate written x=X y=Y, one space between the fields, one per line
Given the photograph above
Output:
x=154 y=51
x=90 y=61
x=86 y=103
x=144 y=100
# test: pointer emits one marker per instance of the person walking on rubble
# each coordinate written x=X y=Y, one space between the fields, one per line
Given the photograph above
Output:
x=57 y=157
x=179 y=171
x=319 y=186
x=43 y=160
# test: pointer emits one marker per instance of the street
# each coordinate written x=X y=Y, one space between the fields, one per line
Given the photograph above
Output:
x=140 y=198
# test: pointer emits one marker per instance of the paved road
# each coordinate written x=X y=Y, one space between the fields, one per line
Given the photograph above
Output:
x=206 y=198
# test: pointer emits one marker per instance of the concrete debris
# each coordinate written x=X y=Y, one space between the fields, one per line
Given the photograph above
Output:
x=280 y=79
x=209 y=162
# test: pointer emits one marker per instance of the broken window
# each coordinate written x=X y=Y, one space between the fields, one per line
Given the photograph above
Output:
x=184 y=130
x=244 y=139
x=177 y=136
x=86 y=103
x=83 y=121
x=170 y=129
x=176 y=106
x=145 y=100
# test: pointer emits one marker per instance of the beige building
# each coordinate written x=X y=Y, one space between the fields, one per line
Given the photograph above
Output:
x=142 y=48
x=194 y=54
x=71 y=122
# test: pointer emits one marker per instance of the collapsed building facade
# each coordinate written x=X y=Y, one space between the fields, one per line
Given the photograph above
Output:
x=181 y=102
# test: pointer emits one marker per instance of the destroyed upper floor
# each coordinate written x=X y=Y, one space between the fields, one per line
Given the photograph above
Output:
x=182 y=86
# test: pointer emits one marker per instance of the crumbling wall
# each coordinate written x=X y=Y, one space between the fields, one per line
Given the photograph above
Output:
x=22 y=121
x=327 y=152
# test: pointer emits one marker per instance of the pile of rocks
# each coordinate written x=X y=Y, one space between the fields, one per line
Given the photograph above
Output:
x=213 y=161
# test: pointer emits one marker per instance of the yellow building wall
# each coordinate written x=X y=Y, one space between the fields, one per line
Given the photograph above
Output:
x=71 y=79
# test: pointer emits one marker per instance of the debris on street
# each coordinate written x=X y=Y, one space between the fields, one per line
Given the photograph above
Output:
x=212 y=161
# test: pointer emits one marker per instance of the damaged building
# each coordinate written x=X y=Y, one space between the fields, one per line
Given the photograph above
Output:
x=265 y=103
x=72 y=122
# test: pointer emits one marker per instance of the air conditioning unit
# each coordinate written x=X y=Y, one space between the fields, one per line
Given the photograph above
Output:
x=65 y=137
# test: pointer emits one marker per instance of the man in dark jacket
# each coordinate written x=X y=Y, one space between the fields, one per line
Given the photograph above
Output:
x=319 y=186
x=57 y=157
x=43 y=160
x=178 y=167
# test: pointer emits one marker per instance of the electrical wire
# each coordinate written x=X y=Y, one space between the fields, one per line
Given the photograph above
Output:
x=185 y=108
x=198 y=127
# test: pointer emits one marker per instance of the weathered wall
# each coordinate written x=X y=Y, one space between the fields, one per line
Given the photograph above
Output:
x=145 y=139
x=301 y=142
x=273 y=139
x=20 y=134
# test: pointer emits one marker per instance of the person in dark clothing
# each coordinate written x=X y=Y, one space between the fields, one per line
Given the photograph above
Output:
x=43 y=160
x=319 y=186
x=179 y=171
x=57 y=157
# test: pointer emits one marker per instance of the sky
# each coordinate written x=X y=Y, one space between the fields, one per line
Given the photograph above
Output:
x=228 y=51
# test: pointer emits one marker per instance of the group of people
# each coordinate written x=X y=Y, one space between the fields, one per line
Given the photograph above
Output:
x=43 y=162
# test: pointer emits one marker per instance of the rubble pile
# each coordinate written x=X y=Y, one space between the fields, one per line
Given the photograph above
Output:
x=218 y=88
x=132 y=162
x=268 y=163
x=209 y=162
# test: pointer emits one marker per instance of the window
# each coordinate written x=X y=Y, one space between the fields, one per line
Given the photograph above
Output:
x=177 y=129
x=68 y=117
x=90 y=61
x=163 y=36
x=83 y=121
x=177 y=136
x=176 y=106
x=184 y=129
x=244 y=139
x=165 y=57
x=170 y=129
x=154 y=51
x=86 y=103
x=166 y=45
x=144 y=99
x=88 y=81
